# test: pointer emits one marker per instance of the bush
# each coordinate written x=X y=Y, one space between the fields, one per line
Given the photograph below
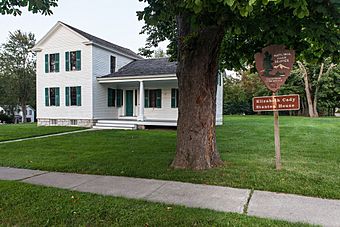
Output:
x=6 y=118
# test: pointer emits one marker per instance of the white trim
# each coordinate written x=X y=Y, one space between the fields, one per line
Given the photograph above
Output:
x=135 y=78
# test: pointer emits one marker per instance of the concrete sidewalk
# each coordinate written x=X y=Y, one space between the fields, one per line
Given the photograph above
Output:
x=257 y=203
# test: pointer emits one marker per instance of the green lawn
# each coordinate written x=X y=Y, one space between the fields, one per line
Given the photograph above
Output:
x=19 y=131
x=27 y=205
x=310 y=155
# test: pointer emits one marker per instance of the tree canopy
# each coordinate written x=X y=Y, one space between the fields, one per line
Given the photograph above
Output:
x=14 y=7
x=250 y=25
x=17 y=71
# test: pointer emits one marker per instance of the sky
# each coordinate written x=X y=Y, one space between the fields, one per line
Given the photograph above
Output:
x=112 y=20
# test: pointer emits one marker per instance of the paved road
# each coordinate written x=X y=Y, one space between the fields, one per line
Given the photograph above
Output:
x=254 y=203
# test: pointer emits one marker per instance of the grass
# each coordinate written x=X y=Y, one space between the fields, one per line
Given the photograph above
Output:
x=19 y=131
x=27 y=205
x=310 y=155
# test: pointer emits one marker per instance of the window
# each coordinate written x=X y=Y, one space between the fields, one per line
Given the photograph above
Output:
x=136 y=99
x=52 y=97
x=73 y=96
x=174 y=98
x=74 y=122
x=51 y=63
x=119 y=98
x=73 y=60
x=111 y=97
x=153 y=98
x=113 y=64
x=53 y=122
x=30 y=112
x=114 y=97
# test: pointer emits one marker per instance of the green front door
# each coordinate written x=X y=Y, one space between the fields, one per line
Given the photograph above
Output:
x=129 y=103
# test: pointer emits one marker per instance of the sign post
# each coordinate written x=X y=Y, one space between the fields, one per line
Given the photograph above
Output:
x=277 y=137
x=274 y=64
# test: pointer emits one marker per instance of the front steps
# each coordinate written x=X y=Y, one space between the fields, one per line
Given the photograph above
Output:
x=128 y=124
x=115 y=124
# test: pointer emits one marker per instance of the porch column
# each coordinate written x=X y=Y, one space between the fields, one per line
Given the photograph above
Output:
x=141 y=101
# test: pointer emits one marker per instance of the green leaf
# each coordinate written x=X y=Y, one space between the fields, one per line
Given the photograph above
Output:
x=229 y=2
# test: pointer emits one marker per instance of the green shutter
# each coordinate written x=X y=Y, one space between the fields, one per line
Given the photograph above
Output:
x=47 y=97
x=159 y=98
x=57 y=96
x=79 y=96
x=110 y=97
x=173 y=98
x=78 y=61
x=67 y=96
x=57 y=63
x=67 y=61
x=119 y=98
x=146 y=98
x=46 y=63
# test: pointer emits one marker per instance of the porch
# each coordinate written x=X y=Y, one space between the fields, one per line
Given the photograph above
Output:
x=137 y=101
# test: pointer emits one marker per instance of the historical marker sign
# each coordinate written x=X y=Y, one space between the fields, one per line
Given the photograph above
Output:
x=276 y=103
x=274 y=64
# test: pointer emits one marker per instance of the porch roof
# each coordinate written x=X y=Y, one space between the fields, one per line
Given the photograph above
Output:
x=145 y=67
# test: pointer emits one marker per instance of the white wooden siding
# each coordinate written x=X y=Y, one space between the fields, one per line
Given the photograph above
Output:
x=60 y=41
x=101 y=67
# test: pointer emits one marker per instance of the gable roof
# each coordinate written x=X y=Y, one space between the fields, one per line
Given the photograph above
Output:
x=146 y=67
x=103 y=42
x=93 y=39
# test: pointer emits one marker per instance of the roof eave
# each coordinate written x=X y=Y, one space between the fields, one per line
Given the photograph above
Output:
x=136 y=78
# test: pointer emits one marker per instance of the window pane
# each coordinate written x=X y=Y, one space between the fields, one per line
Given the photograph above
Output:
x=52 y=62
x=52 y=96
x=73 y=60
x=113 y=64
x=152 y=98
x=73 y=91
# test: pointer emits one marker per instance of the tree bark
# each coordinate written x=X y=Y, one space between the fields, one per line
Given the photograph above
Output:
x=315 y=102
x=197 y=81
x=24 y=113
x=307 y=89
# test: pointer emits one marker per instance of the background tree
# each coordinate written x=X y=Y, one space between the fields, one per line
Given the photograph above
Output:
x=17 y=63
x=207 y=34
x=239 y=91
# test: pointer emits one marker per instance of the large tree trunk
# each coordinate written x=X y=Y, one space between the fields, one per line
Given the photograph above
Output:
x=197 y=81
x=307 y=89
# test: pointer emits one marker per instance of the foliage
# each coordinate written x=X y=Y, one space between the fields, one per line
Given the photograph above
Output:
x=35 y=6
x=4 y=118
x=17 y=63
x=310 y=155
x=329 y=93
x=238 y=92
x=148 y=53
x=250 y=25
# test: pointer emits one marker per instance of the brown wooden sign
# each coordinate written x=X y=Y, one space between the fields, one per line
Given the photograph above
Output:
x=274 y=64
x=276 y=103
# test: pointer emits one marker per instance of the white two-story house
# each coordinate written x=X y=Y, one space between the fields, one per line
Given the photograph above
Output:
x=86 y=81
